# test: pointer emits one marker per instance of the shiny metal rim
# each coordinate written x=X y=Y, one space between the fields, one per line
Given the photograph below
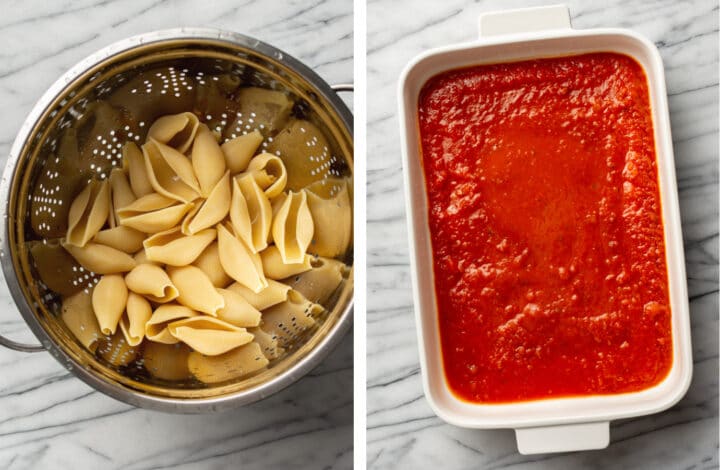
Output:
x=127 y=395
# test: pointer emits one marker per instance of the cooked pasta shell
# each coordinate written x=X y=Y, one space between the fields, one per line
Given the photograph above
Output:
x=239 y=151
x=306 y=154
x=167 y=361
x=101 y=259
x=239 y=262
x=288 y=320
x=78 y=315
x=237 y=311
x=156 y=328
x=274 y=293
x=269 y=172
x=55 y=267
x=234 y=364
x=208 y=335
x=153 y=213
x=208 y=160
x=175 y=130
x=268 y=343
x=109 y=299
x=137 y=313
x=152 y=281
x=134 y=164
x=121 y=238
x=195 y=289
x=209 y=262
x=318 y=284
x=116 y=350
x=213 y=209
x=331 y=209
x=275 y=268
x=88 y=212
x=122 y=193
x=170 y=172
x=292 y=227
x=173 y=248
x=255 y=216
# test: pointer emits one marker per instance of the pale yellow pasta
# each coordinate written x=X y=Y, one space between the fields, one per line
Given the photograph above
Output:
x=173 y=248
x=77 y=313
x=101 y=259
x=137 y=313
x=175 y=130
x=208 y=335
x=269 y=172
x=122 y=194
x=268 y=343
x=209 y=262
x=240 y=150
x=274 y=293
x=237 y=311
x=121 y=238
x=170 y=172
x=167 y=361
x=153 y=213
x=321 y=281
x=196 y=290
x=109 y=299
x=240 y=217
x=88 y=212
x=213 y=209
x=141 y=258
x=292 y=227
x=151 y=281
x=116 y=350
x=257 y=214
x=134 y=164
x=239 y=262
x=208 y=160
x=236 y=363
x=331 y=210
x=288 y=320
x=275 y=268
x=156 y=329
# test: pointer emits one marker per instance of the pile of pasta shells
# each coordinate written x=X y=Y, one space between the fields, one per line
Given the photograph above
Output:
x=210 y=257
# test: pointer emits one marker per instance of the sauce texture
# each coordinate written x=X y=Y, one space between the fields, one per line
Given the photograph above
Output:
x=546 y=228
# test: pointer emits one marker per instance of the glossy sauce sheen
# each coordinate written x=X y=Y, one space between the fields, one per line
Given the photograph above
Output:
x=546 y=228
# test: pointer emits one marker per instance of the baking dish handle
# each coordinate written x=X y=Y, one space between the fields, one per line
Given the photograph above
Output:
x=563 y=438
x=8 y=343
x=524 y=20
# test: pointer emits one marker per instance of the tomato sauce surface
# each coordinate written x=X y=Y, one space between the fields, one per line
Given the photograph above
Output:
x=546 y=228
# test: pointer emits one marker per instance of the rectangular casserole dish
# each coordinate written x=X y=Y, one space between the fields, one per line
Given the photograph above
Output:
x=553 y=424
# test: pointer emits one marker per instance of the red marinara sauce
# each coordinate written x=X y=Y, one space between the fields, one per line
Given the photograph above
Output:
x=546 y=228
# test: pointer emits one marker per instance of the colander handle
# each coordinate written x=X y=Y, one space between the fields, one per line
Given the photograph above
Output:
x=343 y=87
x=8 y=343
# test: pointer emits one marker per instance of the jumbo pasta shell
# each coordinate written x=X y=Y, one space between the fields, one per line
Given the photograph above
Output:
x=269 y=172
x=239 y=262
x=237 y=311
x=156 y=328
x=88 y=213
x=239 y=151
x=208 y=160
x=275 y=268
x=173 y=248
x=170 y=172
x=292 y=228
x=109 y=299
x=196 y=290
x=273 y=294
x=208 y=335
x=331 y=209
x=153 y=213
x=175 y=130
x=121 y=238
x=151 y=281
x=134 y=164
x=101 y=259
x=137 y=313
x=213 y=209
x=209 y=262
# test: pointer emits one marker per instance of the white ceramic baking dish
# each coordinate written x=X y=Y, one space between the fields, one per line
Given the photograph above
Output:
x=561 y=424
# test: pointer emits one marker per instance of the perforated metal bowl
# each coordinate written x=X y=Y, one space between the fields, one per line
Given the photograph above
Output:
x=33 y=157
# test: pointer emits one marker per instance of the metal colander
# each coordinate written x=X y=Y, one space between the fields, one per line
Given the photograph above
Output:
x=76 y=133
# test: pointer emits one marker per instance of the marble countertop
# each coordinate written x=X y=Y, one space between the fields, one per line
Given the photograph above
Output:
x=403 y=432
x=51 y=420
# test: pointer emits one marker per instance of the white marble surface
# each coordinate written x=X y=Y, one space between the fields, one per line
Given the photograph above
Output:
x=49 y=419
x=402 y=430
